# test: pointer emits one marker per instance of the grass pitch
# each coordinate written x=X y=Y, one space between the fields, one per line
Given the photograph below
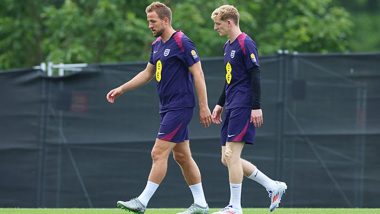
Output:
x=169 y=211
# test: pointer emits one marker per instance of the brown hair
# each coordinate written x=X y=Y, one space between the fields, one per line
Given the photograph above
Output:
x=161 y=9
x=225 y=12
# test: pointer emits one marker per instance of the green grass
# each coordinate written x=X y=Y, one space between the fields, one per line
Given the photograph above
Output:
x=169 y=211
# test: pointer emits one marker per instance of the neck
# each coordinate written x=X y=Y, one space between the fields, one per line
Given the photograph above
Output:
x=167 y=34
x=234 y=33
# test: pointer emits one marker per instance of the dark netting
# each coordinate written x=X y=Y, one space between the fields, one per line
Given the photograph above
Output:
x=63 y=145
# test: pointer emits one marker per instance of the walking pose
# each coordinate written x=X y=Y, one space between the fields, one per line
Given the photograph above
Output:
x=175 y=65
x=240 y=99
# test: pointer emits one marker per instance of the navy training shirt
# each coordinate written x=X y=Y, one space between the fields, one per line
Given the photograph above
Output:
x=239 y=57
x=171 y=60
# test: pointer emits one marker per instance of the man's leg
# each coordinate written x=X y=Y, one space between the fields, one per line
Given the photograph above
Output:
x=275 y=188
x=253 y=173
x=160 y=154
x=232 y=155
x=192 y=175
x=190 y=170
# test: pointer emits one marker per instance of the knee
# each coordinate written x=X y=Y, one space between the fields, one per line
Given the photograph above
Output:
x=156 y=155
x=228 y=157
x=181 y=158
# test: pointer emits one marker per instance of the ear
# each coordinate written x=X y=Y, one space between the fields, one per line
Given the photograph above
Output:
x=166 y=20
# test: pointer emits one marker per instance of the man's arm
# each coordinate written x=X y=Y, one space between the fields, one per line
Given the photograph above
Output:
x=141 y=78
x=217 y=112
x=222 y=98
x=256 y=113
x=200 y=87
x=256 y=88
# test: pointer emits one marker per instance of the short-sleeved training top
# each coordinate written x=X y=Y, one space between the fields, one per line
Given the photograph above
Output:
x=172 y=60
x=240 y=57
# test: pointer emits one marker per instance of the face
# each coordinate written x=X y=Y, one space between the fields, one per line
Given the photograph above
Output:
x=155 y=24
x=222 y=27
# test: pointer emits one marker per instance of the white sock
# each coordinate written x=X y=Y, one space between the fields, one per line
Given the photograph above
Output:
x=235 y=195
x=198 y=194
x=148 y=192
x=262 y=179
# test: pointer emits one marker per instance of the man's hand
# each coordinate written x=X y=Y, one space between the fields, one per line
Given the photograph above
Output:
x=217 y=114
x=257 y=117
x=205 y=116
x=113 y=94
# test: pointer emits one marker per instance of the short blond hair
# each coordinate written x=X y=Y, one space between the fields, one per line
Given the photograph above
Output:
x=225 y=12
x=161 y=9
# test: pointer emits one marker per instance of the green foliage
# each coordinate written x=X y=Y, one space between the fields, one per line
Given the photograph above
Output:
x=367 y=34
x=20 y=33
x=368 y=6
x=365 y=14
x=193 y=18
x=94 y=34
x=100 y=31
x=304 y=26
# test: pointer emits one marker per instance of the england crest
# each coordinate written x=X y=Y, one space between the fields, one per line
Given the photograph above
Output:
x=166 y=52
x=232 y=54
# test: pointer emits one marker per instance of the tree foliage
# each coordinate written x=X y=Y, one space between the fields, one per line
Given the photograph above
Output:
x=101 y=31
x=365 y=14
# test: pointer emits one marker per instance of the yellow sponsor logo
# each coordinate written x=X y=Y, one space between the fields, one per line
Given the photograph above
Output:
x=158 y=70
x=228 y=73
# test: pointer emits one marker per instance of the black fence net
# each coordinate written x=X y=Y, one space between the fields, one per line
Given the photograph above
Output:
x=63 y=145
